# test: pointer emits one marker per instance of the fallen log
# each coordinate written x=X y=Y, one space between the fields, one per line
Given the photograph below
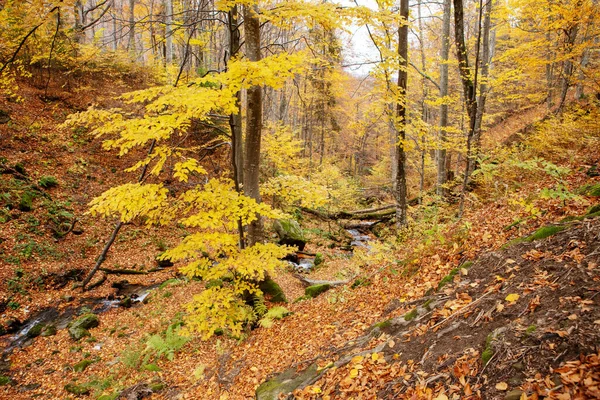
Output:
x=122 y=271
x=311 y=282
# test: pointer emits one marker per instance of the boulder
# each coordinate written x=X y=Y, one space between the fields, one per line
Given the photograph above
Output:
x=290 y=233
x=79 y=328
x=315 y=290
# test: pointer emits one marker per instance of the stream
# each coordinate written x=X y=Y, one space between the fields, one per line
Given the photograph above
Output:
x=305 y=263
x=127 y=296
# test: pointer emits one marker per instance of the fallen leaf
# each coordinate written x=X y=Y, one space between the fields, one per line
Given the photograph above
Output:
x=441 y=396
x=512 y=297
x=501 y=386
x=391 y=343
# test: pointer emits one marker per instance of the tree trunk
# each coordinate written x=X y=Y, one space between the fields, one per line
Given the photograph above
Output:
x=253 y=122
x=442 y=171
x=168 y=32
x=131 y=43
x=485 y=69
x=401 y=191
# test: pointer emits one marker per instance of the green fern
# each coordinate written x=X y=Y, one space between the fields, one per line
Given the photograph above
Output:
x=260 y=307
x=166 y=346
x=274 y=313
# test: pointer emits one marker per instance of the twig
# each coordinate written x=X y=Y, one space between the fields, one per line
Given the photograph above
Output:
x=460 y=311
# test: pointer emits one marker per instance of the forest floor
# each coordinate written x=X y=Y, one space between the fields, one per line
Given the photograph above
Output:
x=508 y=321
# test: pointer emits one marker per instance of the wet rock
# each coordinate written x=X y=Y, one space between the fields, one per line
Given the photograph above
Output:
x=12 y=325
x=290 y=233
x=35 y=330
x=126 y=302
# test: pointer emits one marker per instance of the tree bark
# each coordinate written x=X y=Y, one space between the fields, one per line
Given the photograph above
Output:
x=401 y=191
x=484 y=72
x=442 y=171
x=253 y=123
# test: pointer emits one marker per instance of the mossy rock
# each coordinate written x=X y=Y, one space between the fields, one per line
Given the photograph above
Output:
x=315 y=290
x=26 y=202
x=82 y=365
x=290 y=233
x=285 y=383
x=545 y=232
x=5 y=380
x=156 y=386
x=319 y=259
x=48 y=330
x=271 y=288
x=79 y=328
x=76 y=389
x=383 y=324
x=35 y=331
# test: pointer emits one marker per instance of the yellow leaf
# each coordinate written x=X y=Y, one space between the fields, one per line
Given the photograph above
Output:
x=501 y=386
x=512 y=297
x=374 y=356
x=316 y=389
x=353 y=373
x=357 y=359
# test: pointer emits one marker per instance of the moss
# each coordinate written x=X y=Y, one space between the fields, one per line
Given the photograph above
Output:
x=301 y=298
x=466 y=265
x=590 y=190
x=315 y=290
x=411 y=315
x=270 y=287
x=383 y=324
x=26 y=202
x=35 y=331
x=487 y=355
x=448 y=278
x=157 y=386
x=514 y=224
x=427 y=304
x=530 y=329
x=49 y=330
x=360 y=282
x=169 y=282
x=593 y=209
x=82 y=365
x=319 y=259
x=77 y=389
x=4 y=380
x=48 y=182
x=544 y=232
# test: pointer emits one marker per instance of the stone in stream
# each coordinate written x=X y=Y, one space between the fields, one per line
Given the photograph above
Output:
x=79 y=328
x=290 y=233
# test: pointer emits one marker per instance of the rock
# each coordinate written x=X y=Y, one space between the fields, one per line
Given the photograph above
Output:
x=290 y=233
x=82 y=365
x=519 y=366
x=125 y=302
x=513 y=395
x=48 y=330
x=319 y=259
x=5 y=380
x=79 y=328
x=35 y=330
x=77 y=389
x=163 y=263
x=270 y=287
x=12 y=325
x=315 y=290
x=285 y=383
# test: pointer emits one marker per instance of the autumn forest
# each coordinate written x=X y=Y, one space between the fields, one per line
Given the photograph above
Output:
x=366 y=199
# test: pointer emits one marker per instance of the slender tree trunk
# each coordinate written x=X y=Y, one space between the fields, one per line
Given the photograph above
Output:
x=253 y=122
x=131 y=43
x=401 y=191
x=168 y=32
x=442 y=171
x=485 y=69
x=567 y=72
